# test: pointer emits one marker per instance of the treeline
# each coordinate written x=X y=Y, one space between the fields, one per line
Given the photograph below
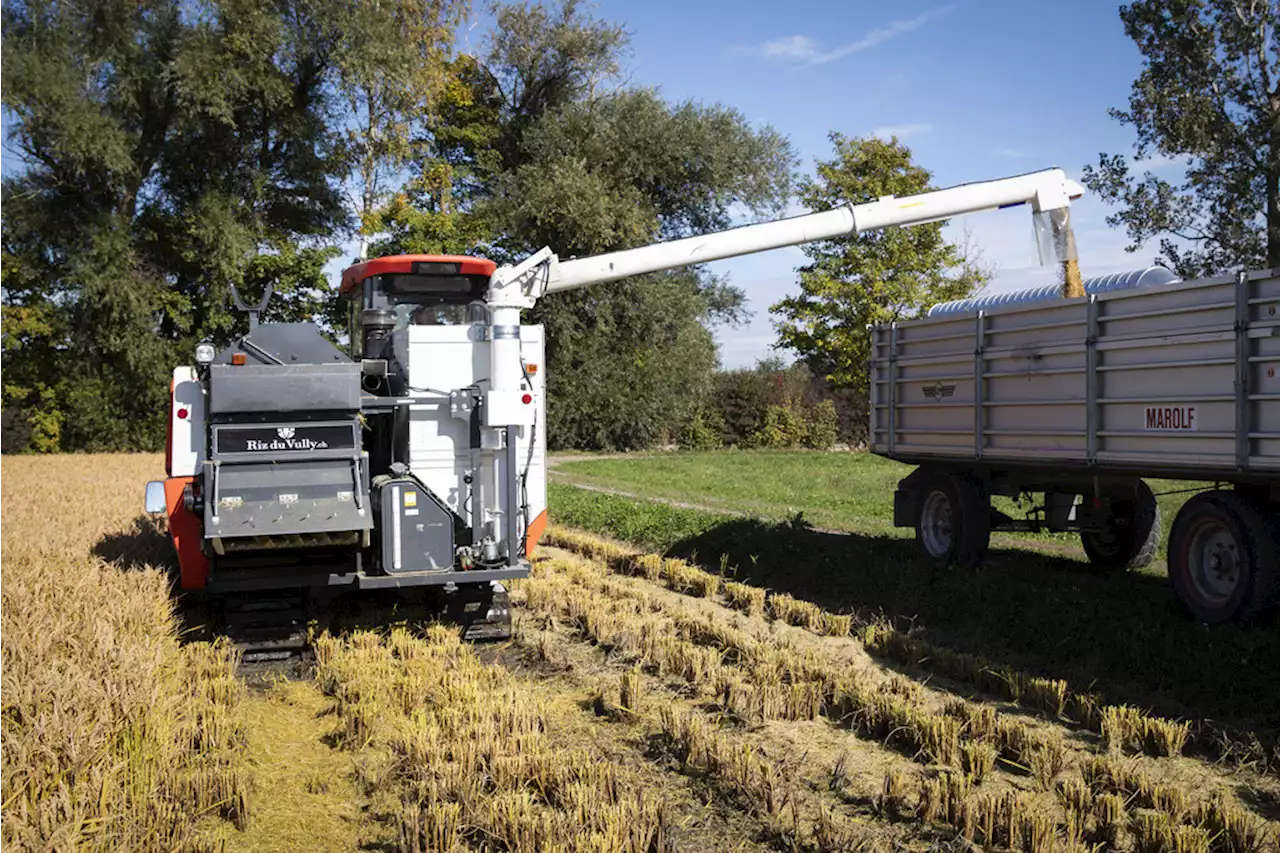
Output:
x=161 y=151
x=170 y=150
x=771 y=406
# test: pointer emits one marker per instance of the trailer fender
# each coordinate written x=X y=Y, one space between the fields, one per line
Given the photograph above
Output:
x=906 y=499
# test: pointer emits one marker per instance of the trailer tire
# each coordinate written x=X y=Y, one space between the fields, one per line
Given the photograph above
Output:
x=1222 y=557
x=953 y=520
x=1133 y=541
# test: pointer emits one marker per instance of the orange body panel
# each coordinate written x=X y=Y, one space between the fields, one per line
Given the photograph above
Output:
x=184 y=530
x=392 y=264
x=534 y=533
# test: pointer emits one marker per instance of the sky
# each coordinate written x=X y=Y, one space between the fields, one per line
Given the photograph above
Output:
x=979 y=89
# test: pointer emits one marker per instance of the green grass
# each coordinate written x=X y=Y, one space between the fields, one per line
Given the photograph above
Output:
x=768 y=484
x=837 y=491
x=1035 y=604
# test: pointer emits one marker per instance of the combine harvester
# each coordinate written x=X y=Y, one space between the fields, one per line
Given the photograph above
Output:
x=417 y=459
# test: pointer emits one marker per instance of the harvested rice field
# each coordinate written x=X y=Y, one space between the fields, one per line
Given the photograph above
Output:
x=644 y=704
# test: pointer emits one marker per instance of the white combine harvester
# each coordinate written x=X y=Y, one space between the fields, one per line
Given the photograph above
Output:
x=418 y=457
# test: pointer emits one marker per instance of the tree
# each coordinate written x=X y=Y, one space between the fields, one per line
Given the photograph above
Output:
x=1209 y=95
x=167 y=152
x=542 y=146
x=539 y=59
x=872 y=278
x=630 y=360
x=454 y=160
x=394 y=67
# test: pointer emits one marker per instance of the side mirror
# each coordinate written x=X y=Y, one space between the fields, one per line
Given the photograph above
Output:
x=155 y=500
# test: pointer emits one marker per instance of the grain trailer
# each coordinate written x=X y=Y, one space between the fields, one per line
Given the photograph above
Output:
x=1077 y=401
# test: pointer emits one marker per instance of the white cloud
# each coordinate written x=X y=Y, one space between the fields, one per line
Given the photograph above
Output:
x=803 y=50
x=902 y=131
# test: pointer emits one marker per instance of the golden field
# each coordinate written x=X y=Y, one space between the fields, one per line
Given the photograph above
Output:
x=117 y=736
x=644 y=705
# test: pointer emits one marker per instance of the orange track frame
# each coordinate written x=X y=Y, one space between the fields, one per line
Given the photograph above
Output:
x=184 y=530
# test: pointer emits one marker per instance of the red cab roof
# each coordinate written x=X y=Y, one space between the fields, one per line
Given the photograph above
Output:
x=391 y=264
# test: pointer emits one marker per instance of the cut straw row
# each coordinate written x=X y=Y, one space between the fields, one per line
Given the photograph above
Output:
x=759 y=680
x=1123 y=728
x=475 y=765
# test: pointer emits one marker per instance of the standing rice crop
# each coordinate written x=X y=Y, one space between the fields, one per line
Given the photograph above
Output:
x=116 y=736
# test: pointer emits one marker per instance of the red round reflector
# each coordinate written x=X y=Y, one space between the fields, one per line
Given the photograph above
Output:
x=527 y=399
x=182 y=413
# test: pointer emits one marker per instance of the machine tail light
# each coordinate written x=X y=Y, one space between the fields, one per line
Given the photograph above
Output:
x=237 y=358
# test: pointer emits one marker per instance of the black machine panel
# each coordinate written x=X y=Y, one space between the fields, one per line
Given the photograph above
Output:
x=416 y=529
x=255 y=389
x=301 y=437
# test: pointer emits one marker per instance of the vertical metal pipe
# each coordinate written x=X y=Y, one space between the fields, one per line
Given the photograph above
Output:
x=1242 y=370
x=511 y=512
x=1091 y=381
x=979 y=385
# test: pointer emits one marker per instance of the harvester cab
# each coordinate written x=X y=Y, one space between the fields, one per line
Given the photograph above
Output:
x=418 y=457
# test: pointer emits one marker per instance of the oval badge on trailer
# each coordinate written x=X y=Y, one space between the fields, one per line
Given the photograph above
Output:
x=938 y=391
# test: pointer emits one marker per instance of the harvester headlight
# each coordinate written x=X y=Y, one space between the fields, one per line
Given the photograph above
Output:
x=204 y=353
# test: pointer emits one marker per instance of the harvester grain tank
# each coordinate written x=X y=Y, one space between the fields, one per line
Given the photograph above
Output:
x=417 y=457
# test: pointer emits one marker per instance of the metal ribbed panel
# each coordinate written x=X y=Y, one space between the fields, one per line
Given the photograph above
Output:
x=1149 y=277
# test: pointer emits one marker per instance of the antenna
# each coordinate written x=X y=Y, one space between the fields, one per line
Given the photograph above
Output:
x=254 y=311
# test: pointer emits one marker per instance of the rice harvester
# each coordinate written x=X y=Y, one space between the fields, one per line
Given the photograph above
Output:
x=417 y=456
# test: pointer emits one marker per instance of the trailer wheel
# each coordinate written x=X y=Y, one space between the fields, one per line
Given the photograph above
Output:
x=1131 y=535
x=1222 y=557
x=953 y=523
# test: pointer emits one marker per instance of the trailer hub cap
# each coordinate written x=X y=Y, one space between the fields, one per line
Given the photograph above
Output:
x=1214 y=560
x=935 y=524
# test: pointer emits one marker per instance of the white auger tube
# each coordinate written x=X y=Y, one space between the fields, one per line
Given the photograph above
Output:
x=1050 y=189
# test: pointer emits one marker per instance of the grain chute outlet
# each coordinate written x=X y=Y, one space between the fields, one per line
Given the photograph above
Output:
x=416 y=457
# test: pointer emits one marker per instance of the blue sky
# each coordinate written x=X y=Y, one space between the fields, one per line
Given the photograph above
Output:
x=978 y=89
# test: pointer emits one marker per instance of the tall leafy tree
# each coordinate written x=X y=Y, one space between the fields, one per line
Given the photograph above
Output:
x=453 y=161
x=629 y=360
x=870 y=278
x=539 y=58
x=394 y=68
x=168 y=151
x=1209 y=96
